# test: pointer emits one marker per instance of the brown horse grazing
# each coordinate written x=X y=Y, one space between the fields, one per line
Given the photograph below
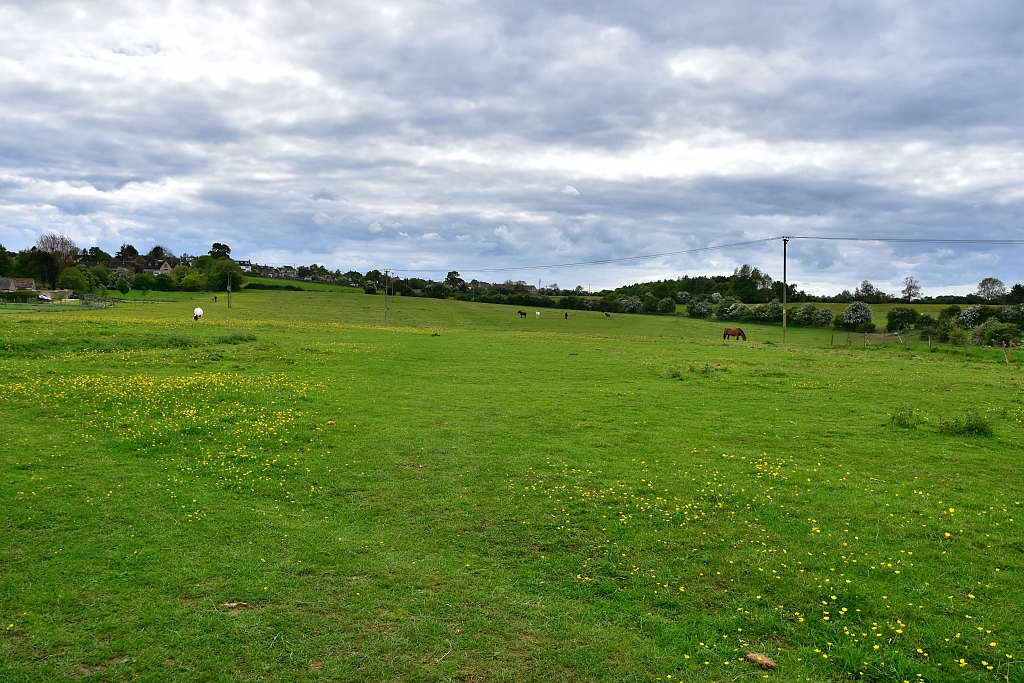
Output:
x=731 y=332
x=607 y=314
x=522 y=314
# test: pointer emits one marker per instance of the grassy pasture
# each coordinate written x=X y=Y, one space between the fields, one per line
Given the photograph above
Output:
x=289 y=491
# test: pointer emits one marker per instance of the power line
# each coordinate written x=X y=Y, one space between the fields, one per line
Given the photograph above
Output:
x=623 y=259
x=627 y=259
x=917 y=240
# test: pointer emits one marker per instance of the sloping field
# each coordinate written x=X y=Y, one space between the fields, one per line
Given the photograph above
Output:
x=288 y=491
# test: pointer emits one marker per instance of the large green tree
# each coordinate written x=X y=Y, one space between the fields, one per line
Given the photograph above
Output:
x=6 y=264
x=72 y=278
x=220 y=272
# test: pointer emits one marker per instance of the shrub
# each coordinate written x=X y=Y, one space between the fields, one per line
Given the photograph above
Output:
x=970 y=424
x=369 y=288
x=856 y=314
x=682 y=297
x=865 y=327
x=121 y=285
x=924 y=322
x=72 y=278
x=437 y=290
x=971 y=316
x=901 y=318
x=994 y=333
x=650 y=304
x=716 y=298
x=770 y=312
x=144 y=282
x=700 y=309
x=957 y=336
x=805 y=315
x=261 y=285
x=630 y=304
x=667 y=305
x=824 y=317
x=120 y=274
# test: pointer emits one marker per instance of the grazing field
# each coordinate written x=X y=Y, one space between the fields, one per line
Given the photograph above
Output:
x=288 y=491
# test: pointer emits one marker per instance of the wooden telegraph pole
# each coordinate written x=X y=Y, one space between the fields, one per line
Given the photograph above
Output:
x=785 y=288
x=386 y=278
x=229 y=290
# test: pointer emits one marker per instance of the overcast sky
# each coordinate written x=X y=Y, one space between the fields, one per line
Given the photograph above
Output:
x=428 y=136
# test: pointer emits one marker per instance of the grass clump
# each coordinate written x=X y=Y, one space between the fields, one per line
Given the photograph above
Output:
x=236 y=338
x=904 y=416
x=972 y=424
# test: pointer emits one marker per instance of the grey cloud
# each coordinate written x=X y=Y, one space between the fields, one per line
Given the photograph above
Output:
x=292 y=130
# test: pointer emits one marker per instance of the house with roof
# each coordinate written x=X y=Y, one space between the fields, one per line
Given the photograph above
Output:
x=14 y=284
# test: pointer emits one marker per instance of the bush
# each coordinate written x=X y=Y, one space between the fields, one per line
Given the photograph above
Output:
x=971 y=316
x=369 y=288
x=970 y=424
x=72 y=278
x=994 y=333
x=650 y=304
x=805 y=315
x=865 y=327
x=120 y=274
x=957 y=336
x=632 y=304
x=287 y=288
x=667 y=305
x=856 y=314
x=824 y=317
x=949 y=318
x=901 y=318
x=144 y=282
x=437 y=290
x=121 y=285
x=700 y=309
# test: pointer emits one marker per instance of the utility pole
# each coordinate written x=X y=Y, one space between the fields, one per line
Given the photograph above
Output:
x=229 y=290
x=386 y=278
x=785 y=288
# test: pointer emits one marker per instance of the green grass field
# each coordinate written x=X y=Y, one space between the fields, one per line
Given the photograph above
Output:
x=289 y=491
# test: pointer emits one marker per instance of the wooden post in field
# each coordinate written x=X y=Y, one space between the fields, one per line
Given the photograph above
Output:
x=865 y=338
x=833 y=341
x=883 y=339
x=386 y=278
x=785 y=288
x=929 y=343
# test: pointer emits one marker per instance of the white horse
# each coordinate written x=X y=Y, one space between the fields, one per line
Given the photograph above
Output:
x=538 y=313
x=197 y=314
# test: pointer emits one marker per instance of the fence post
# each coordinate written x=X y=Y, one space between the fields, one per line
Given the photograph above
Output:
x=929 y=343
x=833 y=340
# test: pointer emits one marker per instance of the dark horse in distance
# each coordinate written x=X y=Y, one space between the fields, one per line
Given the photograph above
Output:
x=731 y=332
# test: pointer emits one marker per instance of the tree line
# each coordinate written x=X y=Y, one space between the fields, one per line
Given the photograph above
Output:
x=56 y=262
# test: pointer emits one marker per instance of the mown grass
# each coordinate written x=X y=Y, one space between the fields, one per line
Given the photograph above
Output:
x=469 y=496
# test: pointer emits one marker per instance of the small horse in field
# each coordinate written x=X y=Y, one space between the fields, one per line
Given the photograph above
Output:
x=522 y=314
x=731 y=332
x=197 y=314
x=607 y=314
